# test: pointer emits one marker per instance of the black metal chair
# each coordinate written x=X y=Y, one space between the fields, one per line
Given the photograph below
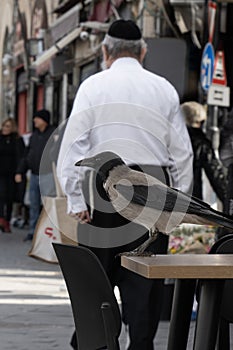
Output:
x=224 y=245
x=95 y=309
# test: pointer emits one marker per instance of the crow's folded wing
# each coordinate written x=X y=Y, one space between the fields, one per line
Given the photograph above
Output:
x=162 y=198
x=171 y=200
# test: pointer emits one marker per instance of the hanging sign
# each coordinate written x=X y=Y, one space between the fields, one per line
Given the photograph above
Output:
x=207 y=66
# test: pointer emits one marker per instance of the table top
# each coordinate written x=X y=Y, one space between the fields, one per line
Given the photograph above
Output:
x=188 y=266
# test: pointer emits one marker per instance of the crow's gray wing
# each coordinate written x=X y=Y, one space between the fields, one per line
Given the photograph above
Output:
x=161 y=198
x=168 y=199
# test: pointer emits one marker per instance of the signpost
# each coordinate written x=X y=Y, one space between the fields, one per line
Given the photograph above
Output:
x=219 y=76
x=219 y=95
x=207 y=66
x=207 y=61
x=219 y=92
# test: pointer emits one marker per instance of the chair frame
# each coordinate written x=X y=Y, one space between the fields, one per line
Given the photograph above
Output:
x=95 y=309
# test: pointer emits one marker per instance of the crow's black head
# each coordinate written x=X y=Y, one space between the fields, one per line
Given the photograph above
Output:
x=102 y=162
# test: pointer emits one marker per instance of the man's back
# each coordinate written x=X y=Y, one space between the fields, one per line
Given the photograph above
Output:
x=126 y=81
x=135 y=114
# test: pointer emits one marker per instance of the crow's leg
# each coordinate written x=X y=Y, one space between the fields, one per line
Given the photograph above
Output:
x=141 y=250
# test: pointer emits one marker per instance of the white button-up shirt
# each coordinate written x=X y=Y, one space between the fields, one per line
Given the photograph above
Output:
x=132 y=112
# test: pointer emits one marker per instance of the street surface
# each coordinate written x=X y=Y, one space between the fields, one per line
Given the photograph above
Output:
x=34 y=305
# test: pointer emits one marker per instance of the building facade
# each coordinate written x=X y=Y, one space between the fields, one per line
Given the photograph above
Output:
x=45 y=54
x=47 y=48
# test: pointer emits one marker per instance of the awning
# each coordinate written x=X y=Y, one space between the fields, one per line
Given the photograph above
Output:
x=63 y=25
x=103 y=27
x=65 y=6
x=58 y=46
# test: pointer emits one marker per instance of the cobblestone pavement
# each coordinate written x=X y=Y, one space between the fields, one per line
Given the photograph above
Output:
x=34 y=305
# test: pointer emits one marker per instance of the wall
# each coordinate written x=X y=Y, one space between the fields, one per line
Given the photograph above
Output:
x=6 y=25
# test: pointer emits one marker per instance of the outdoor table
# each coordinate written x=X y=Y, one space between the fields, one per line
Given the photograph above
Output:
x=186 y=269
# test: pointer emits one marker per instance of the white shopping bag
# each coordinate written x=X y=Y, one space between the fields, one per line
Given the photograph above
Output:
x=54 y=225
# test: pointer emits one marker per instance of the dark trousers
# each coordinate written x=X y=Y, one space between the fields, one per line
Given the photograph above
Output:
x=141 y=298
x=7 y=187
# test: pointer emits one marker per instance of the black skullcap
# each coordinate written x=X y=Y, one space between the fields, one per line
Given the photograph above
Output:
x=43 y=114
x=124 y=29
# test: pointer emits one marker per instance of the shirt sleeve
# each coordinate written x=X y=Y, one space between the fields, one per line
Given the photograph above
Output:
x=180 y=149
x=74 y=147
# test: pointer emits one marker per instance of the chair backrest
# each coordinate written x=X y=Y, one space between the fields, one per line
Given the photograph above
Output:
x=95 y=309
x=220 y=246
x=225 y=246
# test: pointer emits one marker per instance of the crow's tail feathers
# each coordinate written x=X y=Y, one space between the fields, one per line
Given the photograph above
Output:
x=220 y=219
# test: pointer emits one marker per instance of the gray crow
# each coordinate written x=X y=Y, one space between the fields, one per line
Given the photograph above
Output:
x=145 y=200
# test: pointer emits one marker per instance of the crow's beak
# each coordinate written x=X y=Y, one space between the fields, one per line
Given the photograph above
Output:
x=79 y=163
x=89 y=162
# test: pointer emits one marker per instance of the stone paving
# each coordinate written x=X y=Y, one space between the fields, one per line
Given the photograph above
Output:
x=34 y=305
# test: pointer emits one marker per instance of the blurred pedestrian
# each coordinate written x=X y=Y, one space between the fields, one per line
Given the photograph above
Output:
x=136 y=114
x=41 y=177
x=21 y=206
x=204 y=155
x=226 y=156
x=11 y=150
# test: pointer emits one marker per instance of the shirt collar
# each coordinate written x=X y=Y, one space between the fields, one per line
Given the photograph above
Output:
x=125 y=62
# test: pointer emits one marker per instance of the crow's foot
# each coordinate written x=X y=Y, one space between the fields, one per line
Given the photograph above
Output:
x=137 y=252
x=141 y=250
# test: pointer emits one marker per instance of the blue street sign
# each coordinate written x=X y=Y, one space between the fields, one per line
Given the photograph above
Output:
x=207 y=66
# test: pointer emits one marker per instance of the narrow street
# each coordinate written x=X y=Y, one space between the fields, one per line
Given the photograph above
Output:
x=35 y=309
x=34 y=304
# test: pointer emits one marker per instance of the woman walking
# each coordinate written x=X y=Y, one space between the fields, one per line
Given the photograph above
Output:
x=11 y=150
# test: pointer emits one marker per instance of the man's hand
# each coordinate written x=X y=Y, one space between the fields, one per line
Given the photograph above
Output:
x=83 y=217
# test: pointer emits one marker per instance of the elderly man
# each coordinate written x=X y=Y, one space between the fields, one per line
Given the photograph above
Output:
x=134 y=113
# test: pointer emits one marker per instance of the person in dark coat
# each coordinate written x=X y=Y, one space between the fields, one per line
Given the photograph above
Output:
x=41 y=178
x=11 y=150
x=226 y=156
x=204 y=155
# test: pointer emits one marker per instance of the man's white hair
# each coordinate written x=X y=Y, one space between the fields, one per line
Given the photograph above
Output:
x=116 y=47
